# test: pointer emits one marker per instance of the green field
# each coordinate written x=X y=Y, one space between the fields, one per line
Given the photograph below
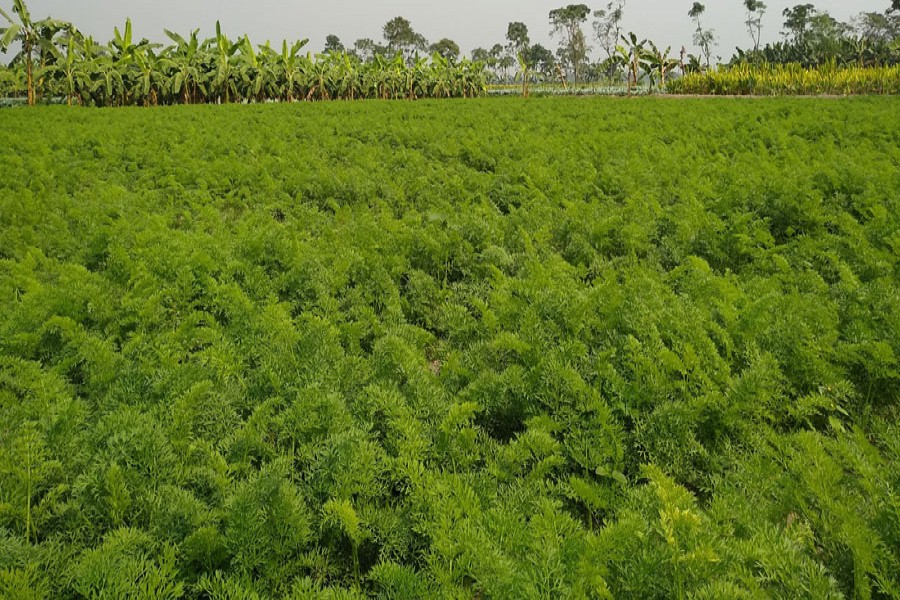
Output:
x=558 y=348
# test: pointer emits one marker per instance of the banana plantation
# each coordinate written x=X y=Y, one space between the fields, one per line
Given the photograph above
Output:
x=62 y=65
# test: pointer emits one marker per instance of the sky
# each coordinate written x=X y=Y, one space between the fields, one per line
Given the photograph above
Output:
x=471 y=23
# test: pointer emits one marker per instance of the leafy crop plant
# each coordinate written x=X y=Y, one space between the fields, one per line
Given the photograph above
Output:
x=544 y=348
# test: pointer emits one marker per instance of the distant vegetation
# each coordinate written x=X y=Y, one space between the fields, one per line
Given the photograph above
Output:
x=565 y=349
x=56 y=63
x=790 y=79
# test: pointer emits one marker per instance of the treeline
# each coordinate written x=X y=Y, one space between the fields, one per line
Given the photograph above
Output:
x=57 y=61
x=812 y=38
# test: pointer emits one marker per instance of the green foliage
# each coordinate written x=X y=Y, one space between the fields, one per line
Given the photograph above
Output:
x=554 y=349
x=790 y=79
x=77 y=70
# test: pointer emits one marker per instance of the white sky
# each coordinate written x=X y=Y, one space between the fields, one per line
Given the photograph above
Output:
x=470 y=23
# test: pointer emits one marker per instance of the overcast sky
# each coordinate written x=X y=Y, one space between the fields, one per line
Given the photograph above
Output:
x=471 y=23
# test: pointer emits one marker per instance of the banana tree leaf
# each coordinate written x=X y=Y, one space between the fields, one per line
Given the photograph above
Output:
x=10 y=35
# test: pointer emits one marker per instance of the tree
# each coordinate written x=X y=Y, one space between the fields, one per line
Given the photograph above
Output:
x=34 y=36
x=541 y=59
x=704 y=38
x=797 y=21
x=501 y=59
x=367 y=49
x=401 y=37
x=755 y=12
x=825 y=36
x=573 y=47
x=481 y=55
x=608 y=26
x=446 y=48
x=517 y=36
x=878 y=27
x=333 y=44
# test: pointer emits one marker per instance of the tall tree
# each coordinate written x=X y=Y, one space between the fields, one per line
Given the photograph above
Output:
x=797 y=20
x=878 y=27
x=367 y=49
x=755 y=12
x=567 y=21
x=34 y=36
x=333 y=43
x=704 y=38
x=541 y=59
x=401 y=37
x=826 y=35
x=517 y=36
x=446 y=48
x=608 y=26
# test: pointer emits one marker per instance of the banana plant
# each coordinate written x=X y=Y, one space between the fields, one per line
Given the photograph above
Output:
x=130 y=59
x=34 y=36
x=223 y=75
x=288 y=67
x=108 y=83
x=345 y=77
x=416 y=74
x=184 y=60
x=68 y=69
x=381 y=76
x=658 y=62
x=524 y=72
x=440 y=82
x=631 y=53
x=149 y=77
x=255 y=73
x=397 y=75
x=317 y=77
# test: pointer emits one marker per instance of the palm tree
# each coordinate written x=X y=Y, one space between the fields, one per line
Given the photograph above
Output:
x=35 y=36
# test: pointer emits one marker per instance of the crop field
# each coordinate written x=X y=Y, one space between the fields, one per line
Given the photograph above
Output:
x=492 y=348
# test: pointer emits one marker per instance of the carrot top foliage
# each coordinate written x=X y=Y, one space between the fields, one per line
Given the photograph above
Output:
x=567 y=348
